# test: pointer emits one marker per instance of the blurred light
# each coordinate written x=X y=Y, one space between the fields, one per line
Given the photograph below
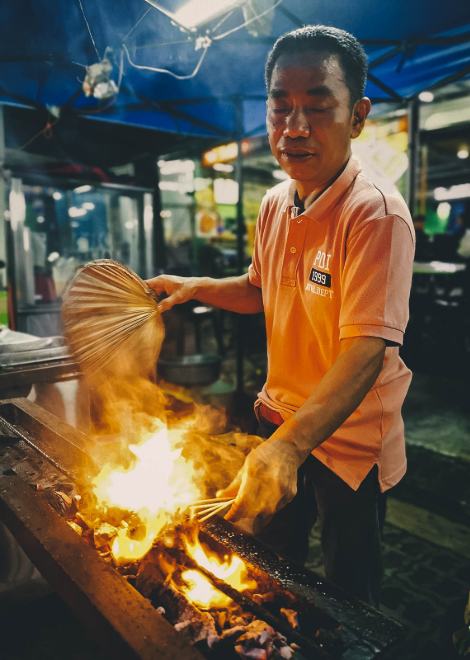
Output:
x=225 y=191
x=201 y=309
x=197 y=12
x=74 y=224
x=223 y=167
x=426 y=97
x=88 y=206
x=148 y=216
x=220 y=154
x=443 y=210
x=82 y=189
x=76 y=212
x=53 y=257
x=280 y=175
x=40 y=219
x=462 y=153
x=26 y=240
x=130 y=224
x=17 y=204
x=448 y=118
x=454 y=192
x=165 y=214
x=57 y=195
x=175 y=186
x=169 y=167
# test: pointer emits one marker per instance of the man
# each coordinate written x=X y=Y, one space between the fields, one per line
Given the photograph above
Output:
x=331 y=270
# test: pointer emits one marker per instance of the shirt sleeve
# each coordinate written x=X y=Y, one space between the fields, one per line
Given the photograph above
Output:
x=254 y=269
x=376 y=280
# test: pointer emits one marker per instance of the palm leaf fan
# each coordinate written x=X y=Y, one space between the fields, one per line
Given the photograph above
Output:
x=111 y=321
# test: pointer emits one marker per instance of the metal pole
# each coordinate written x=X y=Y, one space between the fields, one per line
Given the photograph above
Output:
x=413 y=152
x=240 y=245
x=5 y=235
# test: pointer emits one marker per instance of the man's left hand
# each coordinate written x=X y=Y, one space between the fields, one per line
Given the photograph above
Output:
x=265 y=484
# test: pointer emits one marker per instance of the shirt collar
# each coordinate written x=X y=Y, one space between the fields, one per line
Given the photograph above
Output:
x=317 y=207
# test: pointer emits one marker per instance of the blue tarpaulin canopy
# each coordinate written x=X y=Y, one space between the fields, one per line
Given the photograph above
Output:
x=46 y=45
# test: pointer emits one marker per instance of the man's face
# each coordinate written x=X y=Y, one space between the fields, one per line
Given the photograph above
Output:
x=310 y=121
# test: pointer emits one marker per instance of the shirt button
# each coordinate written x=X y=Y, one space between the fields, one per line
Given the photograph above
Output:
x=293 y=250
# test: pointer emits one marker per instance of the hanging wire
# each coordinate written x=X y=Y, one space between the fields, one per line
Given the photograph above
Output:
x=89 y=29
x=248 y=22
x=223 y=19
x=136 y=24
x=144 y=67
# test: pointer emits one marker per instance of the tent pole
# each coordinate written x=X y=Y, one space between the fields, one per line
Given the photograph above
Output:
x=240 y=243
x=413 y=152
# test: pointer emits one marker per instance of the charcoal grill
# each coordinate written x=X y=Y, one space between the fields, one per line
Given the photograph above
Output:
x=38 y=451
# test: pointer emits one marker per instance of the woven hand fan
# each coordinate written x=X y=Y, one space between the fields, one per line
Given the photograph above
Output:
x=111 y=320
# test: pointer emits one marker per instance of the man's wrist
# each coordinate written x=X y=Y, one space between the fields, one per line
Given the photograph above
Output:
x=292 y=449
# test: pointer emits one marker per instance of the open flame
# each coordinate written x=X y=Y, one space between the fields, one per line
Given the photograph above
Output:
x=230 y=568
x=158 y=486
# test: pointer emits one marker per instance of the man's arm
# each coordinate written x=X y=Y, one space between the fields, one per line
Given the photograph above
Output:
x=268 y=478
x=235 y=294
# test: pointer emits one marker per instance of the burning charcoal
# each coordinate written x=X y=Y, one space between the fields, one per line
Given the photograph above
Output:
x=150 y=576
x=254 y=653
x=260 y=641
x=76 y=528
x=291 y=615
x=264 y=598
x=60 y=501
x=232 y=633
x=103 y=535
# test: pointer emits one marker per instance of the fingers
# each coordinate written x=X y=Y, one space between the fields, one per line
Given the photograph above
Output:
x=169 y=302
x=232 y=489
x=159 y=284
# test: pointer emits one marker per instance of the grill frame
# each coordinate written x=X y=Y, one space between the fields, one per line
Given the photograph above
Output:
x=37 y=445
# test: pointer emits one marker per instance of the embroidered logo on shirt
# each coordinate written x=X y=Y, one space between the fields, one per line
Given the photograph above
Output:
x=320 y=281
x=323 y=279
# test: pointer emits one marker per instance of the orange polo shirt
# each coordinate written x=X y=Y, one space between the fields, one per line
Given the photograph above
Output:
x=341 y=269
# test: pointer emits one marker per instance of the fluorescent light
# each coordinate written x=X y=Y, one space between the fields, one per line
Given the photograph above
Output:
x=88 y=206
x=462 y=153
x=82 y=189
x=426 y=97
x=459 y=191
x=197 y=12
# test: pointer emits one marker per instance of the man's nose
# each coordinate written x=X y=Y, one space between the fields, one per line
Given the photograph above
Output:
x=297 y=124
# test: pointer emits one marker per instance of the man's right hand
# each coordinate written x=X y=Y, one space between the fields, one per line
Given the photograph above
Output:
x=178 y=289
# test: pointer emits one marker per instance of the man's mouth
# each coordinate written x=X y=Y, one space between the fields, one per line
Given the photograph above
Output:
x=298 y=155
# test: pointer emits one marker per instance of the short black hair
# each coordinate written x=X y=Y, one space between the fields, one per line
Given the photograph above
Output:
x=324 y=38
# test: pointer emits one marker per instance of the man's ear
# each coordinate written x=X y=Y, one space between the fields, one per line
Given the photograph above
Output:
x=359 y=115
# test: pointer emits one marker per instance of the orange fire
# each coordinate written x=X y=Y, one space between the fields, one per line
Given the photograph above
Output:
x=157 y=487
x=230 y=568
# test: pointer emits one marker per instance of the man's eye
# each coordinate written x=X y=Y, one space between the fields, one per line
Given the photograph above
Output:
x=279 y=111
